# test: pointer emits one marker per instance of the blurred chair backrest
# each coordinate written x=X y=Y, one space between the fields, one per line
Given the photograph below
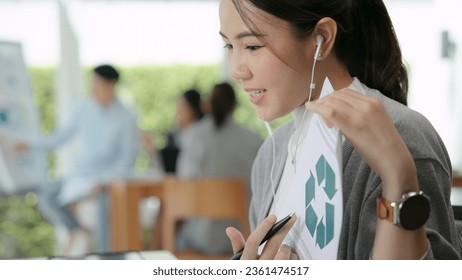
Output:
x=209 y=198
x=458 y=217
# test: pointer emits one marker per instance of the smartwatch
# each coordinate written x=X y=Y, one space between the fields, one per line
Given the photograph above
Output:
x=410 y=212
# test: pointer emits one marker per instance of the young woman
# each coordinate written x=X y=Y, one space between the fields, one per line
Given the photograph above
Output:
x=391 y=154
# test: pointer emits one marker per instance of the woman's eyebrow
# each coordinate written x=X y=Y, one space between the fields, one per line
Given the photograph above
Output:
x=240 y=35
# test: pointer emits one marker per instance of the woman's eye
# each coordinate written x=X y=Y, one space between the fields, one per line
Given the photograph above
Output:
x=253 y=48
x=228 y=46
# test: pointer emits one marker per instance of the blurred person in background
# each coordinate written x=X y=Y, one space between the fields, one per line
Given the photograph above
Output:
x=188 y=116
x=108 y=146
x=215 y=147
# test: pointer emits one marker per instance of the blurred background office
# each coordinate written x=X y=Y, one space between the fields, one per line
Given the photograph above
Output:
x=165 y=47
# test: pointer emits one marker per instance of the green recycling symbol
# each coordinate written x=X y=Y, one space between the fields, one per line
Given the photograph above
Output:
x=321 y=226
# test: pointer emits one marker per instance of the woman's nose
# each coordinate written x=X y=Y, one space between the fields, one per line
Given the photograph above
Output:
x=239 y=70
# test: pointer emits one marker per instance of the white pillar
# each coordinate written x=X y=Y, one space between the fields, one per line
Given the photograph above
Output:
x=452 y=23
x=68 y=80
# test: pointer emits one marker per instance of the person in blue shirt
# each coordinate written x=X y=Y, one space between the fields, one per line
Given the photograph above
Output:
x=107 y=148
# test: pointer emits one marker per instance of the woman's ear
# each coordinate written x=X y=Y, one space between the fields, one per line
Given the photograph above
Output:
x=327 y=28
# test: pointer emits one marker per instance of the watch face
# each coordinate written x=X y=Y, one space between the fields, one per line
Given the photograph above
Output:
x=414 y=212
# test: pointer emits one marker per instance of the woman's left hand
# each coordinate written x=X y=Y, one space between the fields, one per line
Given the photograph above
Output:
x=273 y=248
x=364 y=121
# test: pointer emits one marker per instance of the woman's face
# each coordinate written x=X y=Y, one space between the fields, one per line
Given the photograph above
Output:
x=184 y=113
x=275 y=70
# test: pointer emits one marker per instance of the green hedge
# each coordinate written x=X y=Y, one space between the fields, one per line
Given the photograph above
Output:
x=149 y=90
x=23 y=230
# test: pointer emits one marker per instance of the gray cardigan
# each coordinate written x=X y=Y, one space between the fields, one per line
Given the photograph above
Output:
x=362 y=186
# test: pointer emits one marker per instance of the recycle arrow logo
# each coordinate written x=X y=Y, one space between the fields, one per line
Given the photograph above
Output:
x=321 y=226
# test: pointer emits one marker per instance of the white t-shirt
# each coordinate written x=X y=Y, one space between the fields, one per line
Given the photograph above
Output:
x=279 y=206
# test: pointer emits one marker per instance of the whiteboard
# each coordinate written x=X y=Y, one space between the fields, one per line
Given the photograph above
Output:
x=19 y=172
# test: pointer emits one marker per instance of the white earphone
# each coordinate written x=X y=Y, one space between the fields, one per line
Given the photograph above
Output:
x=319 y=41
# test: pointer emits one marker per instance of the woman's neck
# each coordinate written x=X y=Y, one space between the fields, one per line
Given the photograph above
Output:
x=337 y=73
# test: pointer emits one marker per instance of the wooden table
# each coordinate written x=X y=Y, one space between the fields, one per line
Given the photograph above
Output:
x=457 y=181
x=126 y=231
x=125 y=196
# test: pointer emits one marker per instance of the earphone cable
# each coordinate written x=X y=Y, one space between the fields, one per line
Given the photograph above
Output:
x=312 y=86
x=273 y=144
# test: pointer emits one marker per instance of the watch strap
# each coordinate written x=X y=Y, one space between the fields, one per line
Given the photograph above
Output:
x=385 y=210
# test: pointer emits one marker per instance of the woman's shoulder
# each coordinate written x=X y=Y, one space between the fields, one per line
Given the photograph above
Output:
x=406 y=120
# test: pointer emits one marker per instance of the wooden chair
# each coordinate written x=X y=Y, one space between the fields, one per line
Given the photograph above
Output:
x=209 y=198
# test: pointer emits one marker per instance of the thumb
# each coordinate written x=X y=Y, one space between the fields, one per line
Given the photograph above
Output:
x=236 y=238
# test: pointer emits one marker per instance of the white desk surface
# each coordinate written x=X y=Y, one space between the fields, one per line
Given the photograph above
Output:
x=132 y=255
x=456 y=196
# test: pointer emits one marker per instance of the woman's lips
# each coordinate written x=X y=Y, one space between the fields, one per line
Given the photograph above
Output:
x=256 y=95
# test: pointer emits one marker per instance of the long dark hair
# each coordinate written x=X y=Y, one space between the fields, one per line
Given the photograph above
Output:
x=193 y=98
x=366 y=41
x=223 y=102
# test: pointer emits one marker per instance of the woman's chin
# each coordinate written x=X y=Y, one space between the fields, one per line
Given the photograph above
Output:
x=265 y=116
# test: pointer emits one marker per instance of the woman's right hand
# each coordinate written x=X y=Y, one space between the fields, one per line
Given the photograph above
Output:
x=365 y=122
x=272 y=249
